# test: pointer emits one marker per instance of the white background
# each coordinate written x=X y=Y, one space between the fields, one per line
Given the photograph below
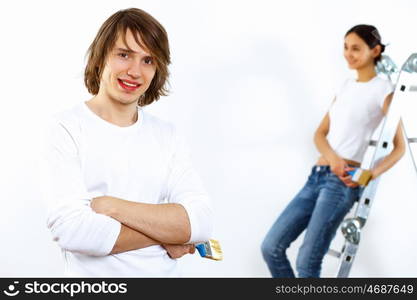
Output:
x=250 y=82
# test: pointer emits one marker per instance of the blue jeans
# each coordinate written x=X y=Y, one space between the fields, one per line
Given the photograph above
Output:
x=319 y=207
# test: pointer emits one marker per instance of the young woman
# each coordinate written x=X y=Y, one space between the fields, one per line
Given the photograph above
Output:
x=341 y=138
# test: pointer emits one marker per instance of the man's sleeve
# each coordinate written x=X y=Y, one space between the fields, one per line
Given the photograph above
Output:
x=72 y=222
x=185 y=188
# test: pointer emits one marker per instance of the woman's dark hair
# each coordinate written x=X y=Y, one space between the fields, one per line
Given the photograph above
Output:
x=370 y=35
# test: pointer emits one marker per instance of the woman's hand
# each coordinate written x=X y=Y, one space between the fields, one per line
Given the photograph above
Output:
x=177 y=251
x=347 y=179
x=338 y=166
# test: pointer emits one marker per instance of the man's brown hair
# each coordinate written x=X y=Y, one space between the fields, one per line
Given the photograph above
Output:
x=154 y=38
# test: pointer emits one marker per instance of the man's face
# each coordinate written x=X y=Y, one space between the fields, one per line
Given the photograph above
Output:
x=127 y=74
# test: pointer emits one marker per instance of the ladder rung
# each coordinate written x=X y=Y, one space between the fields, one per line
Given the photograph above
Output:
x=374 y=142
x=334 y=253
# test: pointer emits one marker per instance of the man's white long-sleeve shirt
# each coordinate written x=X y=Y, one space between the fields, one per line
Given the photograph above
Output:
x=87 y=157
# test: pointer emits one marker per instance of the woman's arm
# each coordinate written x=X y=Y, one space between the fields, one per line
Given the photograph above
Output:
x=398 y=150
x=337 y=164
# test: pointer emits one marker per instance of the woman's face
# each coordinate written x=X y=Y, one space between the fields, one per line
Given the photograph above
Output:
x=357 y=53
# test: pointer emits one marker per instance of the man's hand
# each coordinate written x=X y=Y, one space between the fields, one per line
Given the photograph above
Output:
x=103 y=205
x=177 y=251
x=347 y=179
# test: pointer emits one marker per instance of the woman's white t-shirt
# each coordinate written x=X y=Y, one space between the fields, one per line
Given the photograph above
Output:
x=355 y=114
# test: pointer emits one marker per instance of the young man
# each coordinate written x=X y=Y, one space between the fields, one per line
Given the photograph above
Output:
x=123 y=197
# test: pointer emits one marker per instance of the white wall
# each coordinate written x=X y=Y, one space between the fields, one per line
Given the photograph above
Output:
x=250 y=82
